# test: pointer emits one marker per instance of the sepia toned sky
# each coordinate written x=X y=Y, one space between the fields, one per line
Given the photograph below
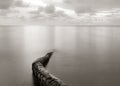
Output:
x=57 y=8
x=95 y=4
x=4 y=4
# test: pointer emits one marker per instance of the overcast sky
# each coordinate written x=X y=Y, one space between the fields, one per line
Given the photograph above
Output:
x=99 y=4
x=56 y=7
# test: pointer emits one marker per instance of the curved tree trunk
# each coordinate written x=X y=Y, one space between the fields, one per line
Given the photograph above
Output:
x=41 y=76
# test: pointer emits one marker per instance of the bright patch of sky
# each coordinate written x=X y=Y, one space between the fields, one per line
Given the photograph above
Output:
x=35 y=2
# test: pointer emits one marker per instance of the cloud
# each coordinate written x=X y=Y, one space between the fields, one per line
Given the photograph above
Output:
x=3 y=12
x=5 y=4
x=50 y=9
x=68 y=12
x=53 y=1
x=20 y=3
x=60 y=14
x=56 y=8
x=80 y=10
x=94 y=4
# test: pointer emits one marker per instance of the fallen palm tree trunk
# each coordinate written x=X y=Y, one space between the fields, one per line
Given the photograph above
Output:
x=41 y=75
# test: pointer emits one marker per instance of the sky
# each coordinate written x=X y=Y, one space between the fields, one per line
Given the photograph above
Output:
x=95 y=4
x=75 y=9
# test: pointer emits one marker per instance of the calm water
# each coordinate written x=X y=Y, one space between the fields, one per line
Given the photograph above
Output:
x=85 y=56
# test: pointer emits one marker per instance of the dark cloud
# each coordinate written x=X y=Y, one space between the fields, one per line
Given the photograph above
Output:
x=40 y=9
x=50 y=9
x=59 y=14
x=5 y=4
x=34 y=12
x=20 y=3
x=84 y=10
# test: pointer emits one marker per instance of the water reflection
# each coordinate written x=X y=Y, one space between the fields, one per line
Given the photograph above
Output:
x=87 y=56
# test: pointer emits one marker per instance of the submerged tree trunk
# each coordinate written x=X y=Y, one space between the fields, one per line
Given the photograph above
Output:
x=41 y=76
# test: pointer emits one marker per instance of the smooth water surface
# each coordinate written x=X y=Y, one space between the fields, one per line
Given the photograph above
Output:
x=85 y=56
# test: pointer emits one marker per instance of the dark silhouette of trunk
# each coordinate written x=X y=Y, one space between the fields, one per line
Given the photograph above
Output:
x=41 y=76
x=45 y=59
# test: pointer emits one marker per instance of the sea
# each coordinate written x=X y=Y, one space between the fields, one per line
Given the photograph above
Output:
x=84 y=55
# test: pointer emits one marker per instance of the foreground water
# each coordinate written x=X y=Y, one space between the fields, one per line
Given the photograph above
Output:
x=85 y=56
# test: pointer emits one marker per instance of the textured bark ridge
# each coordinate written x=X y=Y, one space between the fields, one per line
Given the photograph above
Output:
x=41 y=76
